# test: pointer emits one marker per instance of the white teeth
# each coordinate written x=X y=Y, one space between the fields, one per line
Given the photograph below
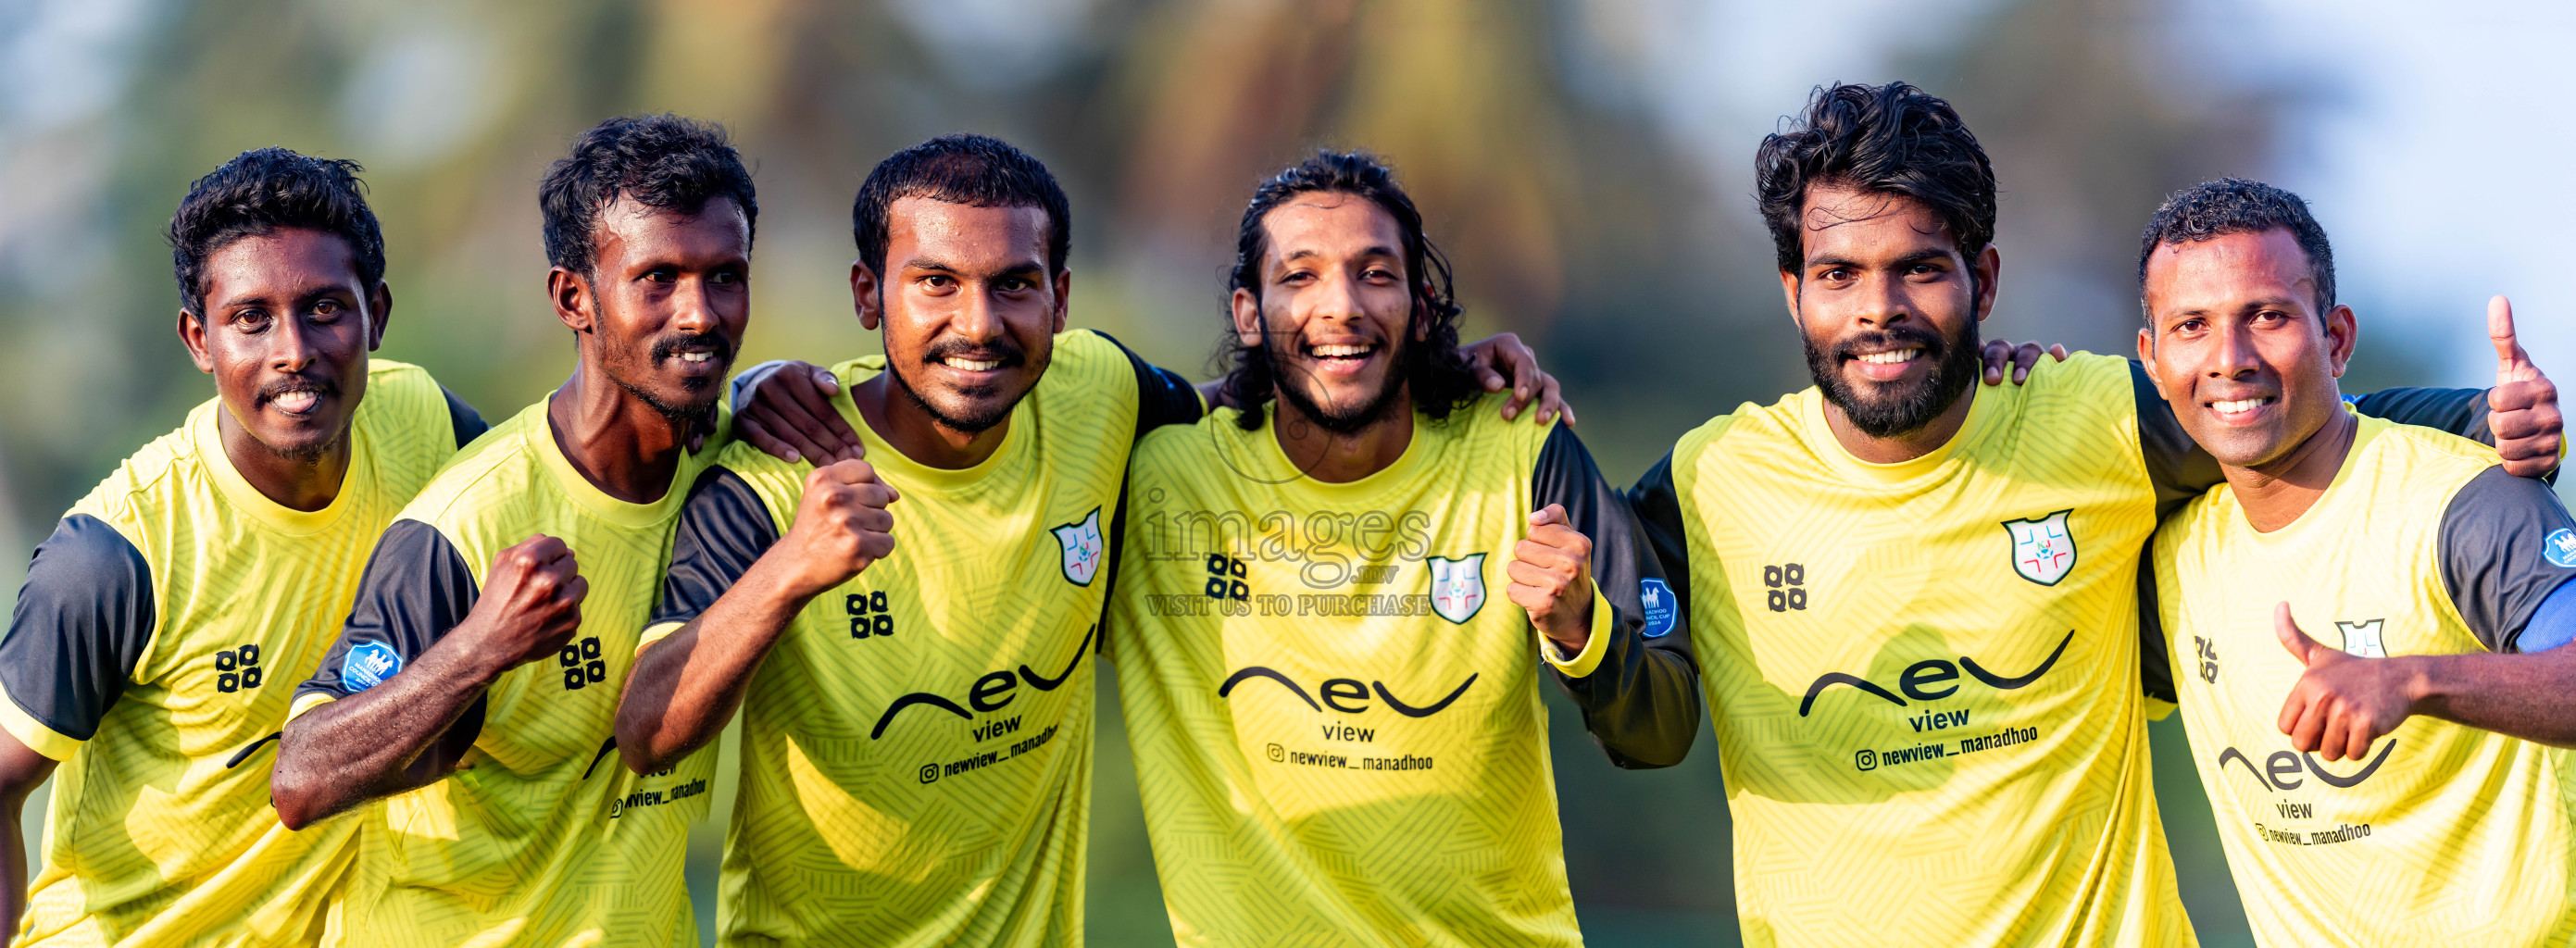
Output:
x=1333 y=352
x=970 y=365
x=1891 y=358
x=696 y=356
x=297 y=402
x=2240 y=405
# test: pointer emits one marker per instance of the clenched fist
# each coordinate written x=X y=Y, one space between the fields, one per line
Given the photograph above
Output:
x=841 y=527
x=2342 y=703
x=1551 y=573
x=530 y=606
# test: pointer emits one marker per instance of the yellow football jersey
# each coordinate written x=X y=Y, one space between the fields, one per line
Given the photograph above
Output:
x=142 y=655
x=916 y=760
x=2443 y=834
x=542 y=837
x=1924 y=676
x=1334 y=712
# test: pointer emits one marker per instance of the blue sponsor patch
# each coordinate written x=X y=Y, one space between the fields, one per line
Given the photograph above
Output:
x=367 y=665
x=1661 y=607
x=2560 y=548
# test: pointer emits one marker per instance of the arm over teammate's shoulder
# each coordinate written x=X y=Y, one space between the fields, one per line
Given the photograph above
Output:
x=1632 y=671
x=399 y=699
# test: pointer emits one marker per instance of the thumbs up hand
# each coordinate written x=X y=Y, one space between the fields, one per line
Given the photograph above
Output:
x=2523 y=405
x=2342 y=703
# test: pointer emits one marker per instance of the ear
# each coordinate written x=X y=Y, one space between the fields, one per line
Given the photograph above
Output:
x=380 y=309
x=2343 y=332
x=868 y=299
x=1247 y=318
x=2147 y=355
x=192 y=333
x=1989 y=268
x=1789 y=295
x=1063 y=298
x=575 y=304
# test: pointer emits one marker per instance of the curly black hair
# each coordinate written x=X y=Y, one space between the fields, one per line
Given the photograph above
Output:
x=260 y=191
x=1892 y=139
x=1436 y=373
x=661 y=161
x=2212 y=209
x=973 y=170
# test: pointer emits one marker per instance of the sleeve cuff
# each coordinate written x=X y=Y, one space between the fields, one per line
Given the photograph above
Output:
x=35 y=734
x=745 y=379
x=307 y=702
x=1594 y=649
x=657 y=632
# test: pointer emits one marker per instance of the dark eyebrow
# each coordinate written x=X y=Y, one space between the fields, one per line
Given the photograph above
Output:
x=1373 y=250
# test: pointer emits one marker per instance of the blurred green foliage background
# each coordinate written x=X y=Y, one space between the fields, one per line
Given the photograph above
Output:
x=1585 y=162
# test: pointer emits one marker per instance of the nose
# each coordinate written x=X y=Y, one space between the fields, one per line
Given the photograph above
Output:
x=1884 y=302
x=976 y=316
x=291 y=351
x=1336 y=299
x=2233 y=355
x=693 y=309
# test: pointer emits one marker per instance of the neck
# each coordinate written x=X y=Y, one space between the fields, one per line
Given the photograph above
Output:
x=294 y=484
x=618 y=442
x=1904 y=445
x=2275 y=493
x=915 y=432
x=1334 y=457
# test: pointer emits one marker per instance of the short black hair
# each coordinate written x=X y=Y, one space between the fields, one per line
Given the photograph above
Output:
x=1437 y=373
x=660 y=161
x=2212 y=209
x=261 y=191
x=973 y=170
x=1891 y=139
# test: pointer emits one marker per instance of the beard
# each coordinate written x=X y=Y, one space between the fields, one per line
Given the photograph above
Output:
x=981 y=414
x=316 y=450
x=1888 y=411
x=702 y=409
x=1342 y=419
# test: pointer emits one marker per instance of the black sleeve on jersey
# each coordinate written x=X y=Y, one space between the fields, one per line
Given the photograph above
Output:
x=2502 y=540
x=2460 y=411
x=723 y=529
x=1641 y=704
x=462 y=417
x=1162 y=397
x=1658 y=508
x=415 y=588
x=80 y=626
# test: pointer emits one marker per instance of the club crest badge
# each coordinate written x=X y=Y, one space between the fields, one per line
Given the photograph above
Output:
x=1662 y=609
x=2560 y=548
x=2361 y=639
x=1083 y=548
x=2042 y=550
x=367 y=665
x=1457 y=587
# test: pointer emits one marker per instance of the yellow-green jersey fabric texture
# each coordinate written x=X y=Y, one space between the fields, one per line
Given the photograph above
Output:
x=1333 y=710
x=159 y=677
x=916 y=757
x=1924 y=676
x=542 y=837
x=2444 y=834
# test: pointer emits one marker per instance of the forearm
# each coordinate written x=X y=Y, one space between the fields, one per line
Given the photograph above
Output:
x=2515 y=695
x=686 y=687
x=377 y=742
x=13 y=862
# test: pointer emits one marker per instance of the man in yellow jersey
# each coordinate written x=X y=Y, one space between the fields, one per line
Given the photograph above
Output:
x=1916 y=600
x=2407 y=791
x=917 y=739
x=475 y=683
x=158 y=635
x=1338 y=738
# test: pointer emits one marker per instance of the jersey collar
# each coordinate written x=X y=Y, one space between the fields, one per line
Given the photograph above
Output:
x=1989 y=400
x=887 y=459
x=238 y=492
x=541 y=442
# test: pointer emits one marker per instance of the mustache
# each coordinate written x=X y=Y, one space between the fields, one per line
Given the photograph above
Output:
x=997 y=350
x=1882 y=340
x=320 y=385
x=668 y=347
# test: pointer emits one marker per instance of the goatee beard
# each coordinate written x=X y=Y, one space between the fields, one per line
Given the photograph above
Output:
x=1954 y=369
x=1344 y=419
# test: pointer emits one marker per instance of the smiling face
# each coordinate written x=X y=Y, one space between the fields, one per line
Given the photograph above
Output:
x=1336 y=309
x=666 y=302
x=969 y=310
x=2235 y=343
x=286 y=333
x=1887 y=307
